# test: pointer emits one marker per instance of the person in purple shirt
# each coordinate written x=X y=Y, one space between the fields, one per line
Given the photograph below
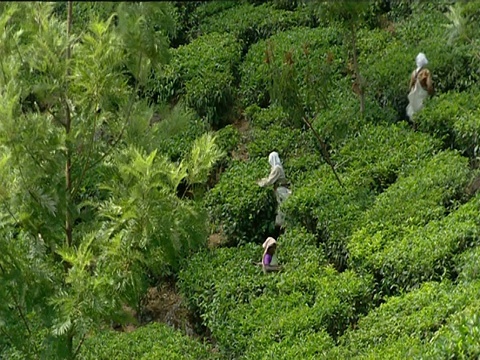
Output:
x=268 y=260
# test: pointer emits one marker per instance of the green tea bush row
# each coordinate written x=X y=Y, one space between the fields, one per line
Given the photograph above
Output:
x=244 y=211
x=341 y=119
x=379 y=153
x=418 y=314
x=201 y=71
x=428 y=253
x=459 y=338
x=453 y=117
x=250 y=23
x=467 y=265
x=153 y=341
x=328 y=210
x=421 y=195
x=246 y=310
x=319 y=46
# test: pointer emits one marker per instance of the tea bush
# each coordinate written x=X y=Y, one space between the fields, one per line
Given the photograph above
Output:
x=458 y=339
x=244 y=211
x=246 y=310
x=454 y=118
x=419 y=314
x=341 y=120
x=263 y=118
x=228 y=138
x=328 y=210
x=309 y=345
x=427 y=253
x=147 y=342
x=379 y=153
x=421 y=195
x=320 y=46
x=202 y=71
x=467 y=265
x=179 y=144
x=250 y=23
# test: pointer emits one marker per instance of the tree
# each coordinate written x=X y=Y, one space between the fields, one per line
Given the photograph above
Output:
x=74 y=251
x=349 y=14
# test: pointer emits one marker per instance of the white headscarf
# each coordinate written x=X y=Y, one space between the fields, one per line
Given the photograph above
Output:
x=421 y=60
x=274 y=159
x=267 y=244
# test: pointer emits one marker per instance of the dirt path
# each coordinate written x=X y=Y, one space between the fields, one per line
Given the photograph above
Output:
x=243 y=127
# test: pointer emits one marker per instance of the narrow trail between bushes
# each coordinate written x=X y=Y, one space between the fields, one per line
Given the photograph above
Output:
x=243 y=127
x=240 y=153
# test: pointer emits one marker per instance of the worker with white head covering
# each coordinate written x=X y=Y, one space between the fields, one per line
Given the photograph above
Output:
x=278 y=180
x=269 y=261
x=421 y=85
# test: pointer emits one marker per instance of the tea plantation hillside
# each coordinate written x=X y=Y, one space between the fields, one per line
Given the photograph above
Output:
x=380 y=253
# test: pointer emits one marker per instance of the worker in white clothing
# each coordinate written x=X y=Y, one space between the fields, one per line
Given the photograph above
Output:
x=278 y=180
x=421 y=86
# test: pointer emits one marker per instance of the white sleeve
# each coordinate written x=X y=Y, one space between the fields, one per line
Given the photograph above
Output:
x=274 y=176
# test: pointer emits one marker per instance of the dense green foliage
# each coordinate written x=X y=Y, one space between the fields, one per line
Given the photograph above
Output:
x=130 y=132
x=157 y=341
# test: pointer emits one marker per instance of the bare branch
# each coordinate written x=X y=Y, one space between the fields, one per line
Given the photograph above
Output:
x=324 y=151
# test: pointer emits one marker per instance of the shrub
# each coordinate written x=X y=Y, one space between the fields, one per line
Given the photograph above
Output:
x=244 y=210
x=309 y=345
x=288 y=143
x=178 y=145
x=454 y=118
x=264 y=118
x=151 y=341
x=460 y=337
x=379 y=153
x=327 y=210
x=203 y=72
x=228 y=138
x=427 y=254
x=341 y=120
x=416 y=198
x=246 y=310
x=321 y=46
x=419 y=314
x=249 y=23
x=467 y=264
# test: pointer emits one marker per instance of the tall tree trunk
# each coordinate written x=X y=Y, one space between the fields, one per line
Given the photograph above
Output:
x=68 y=165
x=358 y=77
x=68 y=124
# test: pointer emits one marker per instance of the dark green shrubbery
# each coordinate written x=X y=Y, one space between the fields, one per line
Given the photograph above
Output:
x=202 y=71
x=453 y=117
x=247 y=310
x=328 y=210
x=153 y=341
x=263 y=118
x=250 y=23
x=427 y=253
x=423 y=194
x=342 y=120
x=379 y=153
x=467 y=265
x=228 y=138
x=418 y=315
x=458 y=339
x=320 y=46
x=179 y=144
x=244 y=211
